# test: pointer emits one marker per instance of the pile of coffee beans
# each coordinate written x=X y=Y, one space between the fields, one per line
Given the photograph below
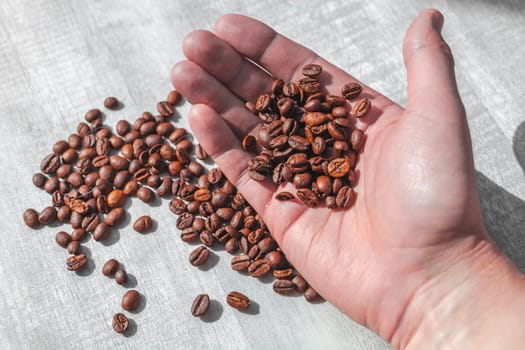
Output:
x=308 y=138
x=91 y=175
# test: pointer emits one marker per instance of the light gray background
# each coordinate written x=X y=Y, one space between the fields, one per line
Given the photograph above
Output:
x=60 y=58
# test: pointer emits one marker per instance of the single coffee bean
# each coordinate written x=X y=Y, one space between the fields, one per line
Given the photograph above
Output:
x=76 y=262
x=120 y=323
x=62 y=238
x=31 y=218
x=143 y=224
x=199 y=256
x=121 y=276
x=338 y=167
x=39 y=180
x=189 y=235
x=177 y=206
x=116 y=199
x=282 y=274
x=238 y=300
x=206 y=238
x=64 y=213
x=300 y=283
x=110 y=267
x=310 y=294
x=78 y=234
x=111 y=103
x=200 y=153
x=165 y=108
x=185 y=220
x=74 y=247
x=50 y=163
x=46 y=216
x=274 y=259
x=240 y=262
x=231 y=245
x=283 y=287
x=258 y=268
x=345 y=197
x=131 y=300
x=122 y=127
x=174 y=97
x=356 y=139
x=60 y=147
x=90 y=222
x=351 y=90
x=248 y=142
x=312 y=70
x=361 y=108
x=308 y=197
x=145 y=194
x=101 y=232
x=200 y=305
x=115 y=216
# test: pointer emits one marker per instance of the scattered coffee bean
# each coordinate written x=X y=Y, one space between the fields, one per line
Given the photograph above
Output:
x=62 y=238
x=76 y=262
x=199 y=256
x=131 y=300
x=31 y=218
x=238 y=300
x=120 y=323
x=110 y=267
x=174 y=98
x=200 y=305
x=111 y=103
x=310 y=294
x=143 y=224
x=121 y=276
x=283 y=286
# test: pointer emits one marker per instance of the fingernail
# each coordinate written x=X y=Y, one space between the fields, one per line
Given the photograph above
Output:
x=437 y=20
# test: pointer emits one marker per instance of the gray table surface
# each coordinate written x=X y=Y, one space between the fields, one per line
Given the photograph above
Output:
x=60 y=58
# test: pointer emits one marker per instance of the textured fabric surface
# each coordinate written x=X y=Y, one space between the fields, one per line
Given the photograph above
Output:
x=60 y=58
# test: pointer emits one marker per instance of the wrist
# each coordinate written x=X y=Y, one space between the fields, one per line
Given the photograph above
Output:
x=479 y=298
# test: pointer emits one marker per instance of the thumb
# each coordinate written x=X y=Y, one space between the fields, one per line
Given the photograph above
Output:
x=432 y=87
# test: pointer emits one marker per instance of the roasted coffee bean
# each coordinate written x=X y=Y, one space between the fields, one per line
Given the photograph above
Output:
x=361 y=108
x=206 y=238
x=51 y=185
x=238 y=300
x=258 y=268
x=240 y=262
x=351 y=90
x=165 y=108
x=120 y=323
x=62 y=238
x=121 y=276
x=39 y=180
x=311 y=295
x=116 y=198
x=76 y=220
x=283 y=274
x=199 y=256
x=63 y=171
x=338 y=167
x=308 y=197
x=76 y=262
x=111 y=103
x=115 y=216
x=254 y=252
x=174 y=98
x=90 y=222
x=64 y=213
x=356 y=139
x=200 y=305
x=131 y=300
x=248 y=142
x=202 y=195
x=274 y=259
x=110 y=267
x=345 y=197
x=231 y=245
x=283 y=287
x=200 y=153
x=60 y=147
x=312 y=70
x=189 y=235
x=101 y=232
x=302 y=180
x=198 y=224
x=177 y=206
x=145 y=194
x=46 y=216
x=300 y=283
x=50 y=163
x=143 y=224
x=74 y=247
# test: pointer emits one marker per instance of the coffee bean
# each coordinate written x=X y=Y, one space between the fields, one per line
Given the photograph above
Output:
x=258 y=268
x=46 y=216
x=308 y=197
x=274 y=259
x=120 y=323
x=50 y=163
x=39 y=180
x=185 y=220
x=145 y=194
x=200 y=153
x=345 y=197
x=338 y=167
x=90 y=222
x=361 y=108
x=177 y=206
x=240 y=262
x=76 y=262
x=31 y=218
x=62 y=238
x=64 y=213
x=312 y=70
x=116 y=199
x=110 y=267
x=206 y=238
x=311 y=295
x=199 y=256
x=351 y=90
x=143 y=224
x=74 y=247
x=283 y=287
x=174 y=97
x=282 y=274
x=238 y=300
x=115 y=216
x=111 y=103
x=121 y=276
x=101 y=232
x=300 y=283
x=131 y=300
x=248 y=142
x=200 y=305
x=165 y=108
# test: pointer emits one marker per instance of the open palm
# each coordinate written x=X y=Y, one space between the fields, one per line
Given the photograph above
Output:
x=417 y=208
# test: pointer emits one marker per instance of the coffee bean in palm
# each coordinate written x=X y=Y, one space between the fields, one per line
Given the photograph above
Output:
x=200 y=305
x=199 y=256
x=238 y=300
x=131 y=300
x=120 y=323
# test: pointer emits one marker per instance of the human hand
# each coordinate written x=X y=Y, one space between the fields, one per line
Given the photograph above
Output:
x=416 y=224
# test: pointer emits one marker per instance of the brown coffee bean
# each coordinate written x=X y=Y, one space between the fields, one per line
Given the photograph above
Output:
x=174 y=97
x=74 y=247
x=39 y=180
x=274 y=259
x=165 y=108
x=340 y=112
x=351 y=90
x=64 y=213
x=143 y=224
x=121 y=276
x=338 y=167
x=258 y=268
x=202 y=195
x=177 y=206
x=231 y=245
x=308 y=197
x=199 y=256
x=240 y=262
x=90 y=222
x=300 y=283
x=111 y=103
x=283 y=287
x=361 y=108
x=115 y=216
x=116 y=198
x=206 y=238
x=120 y=323
x=46 y=216
x=189 y=235
x=131 y=300
x=345 y=197
x=283 y=274
x=62 y=238
x=31 y=218
x=200 y=153
x=76 y=262
x=200 y=305
x=101 y=232
x=63 y=171
x=110 y=267
x=50 y=163
x=356 y=139
x=238 y=300
x=145 y=194
x=312 y=70
x=311 y=295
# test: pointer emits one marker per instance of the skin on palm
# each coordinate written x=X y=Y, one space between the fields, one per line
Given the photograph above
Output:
x=417 y=211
